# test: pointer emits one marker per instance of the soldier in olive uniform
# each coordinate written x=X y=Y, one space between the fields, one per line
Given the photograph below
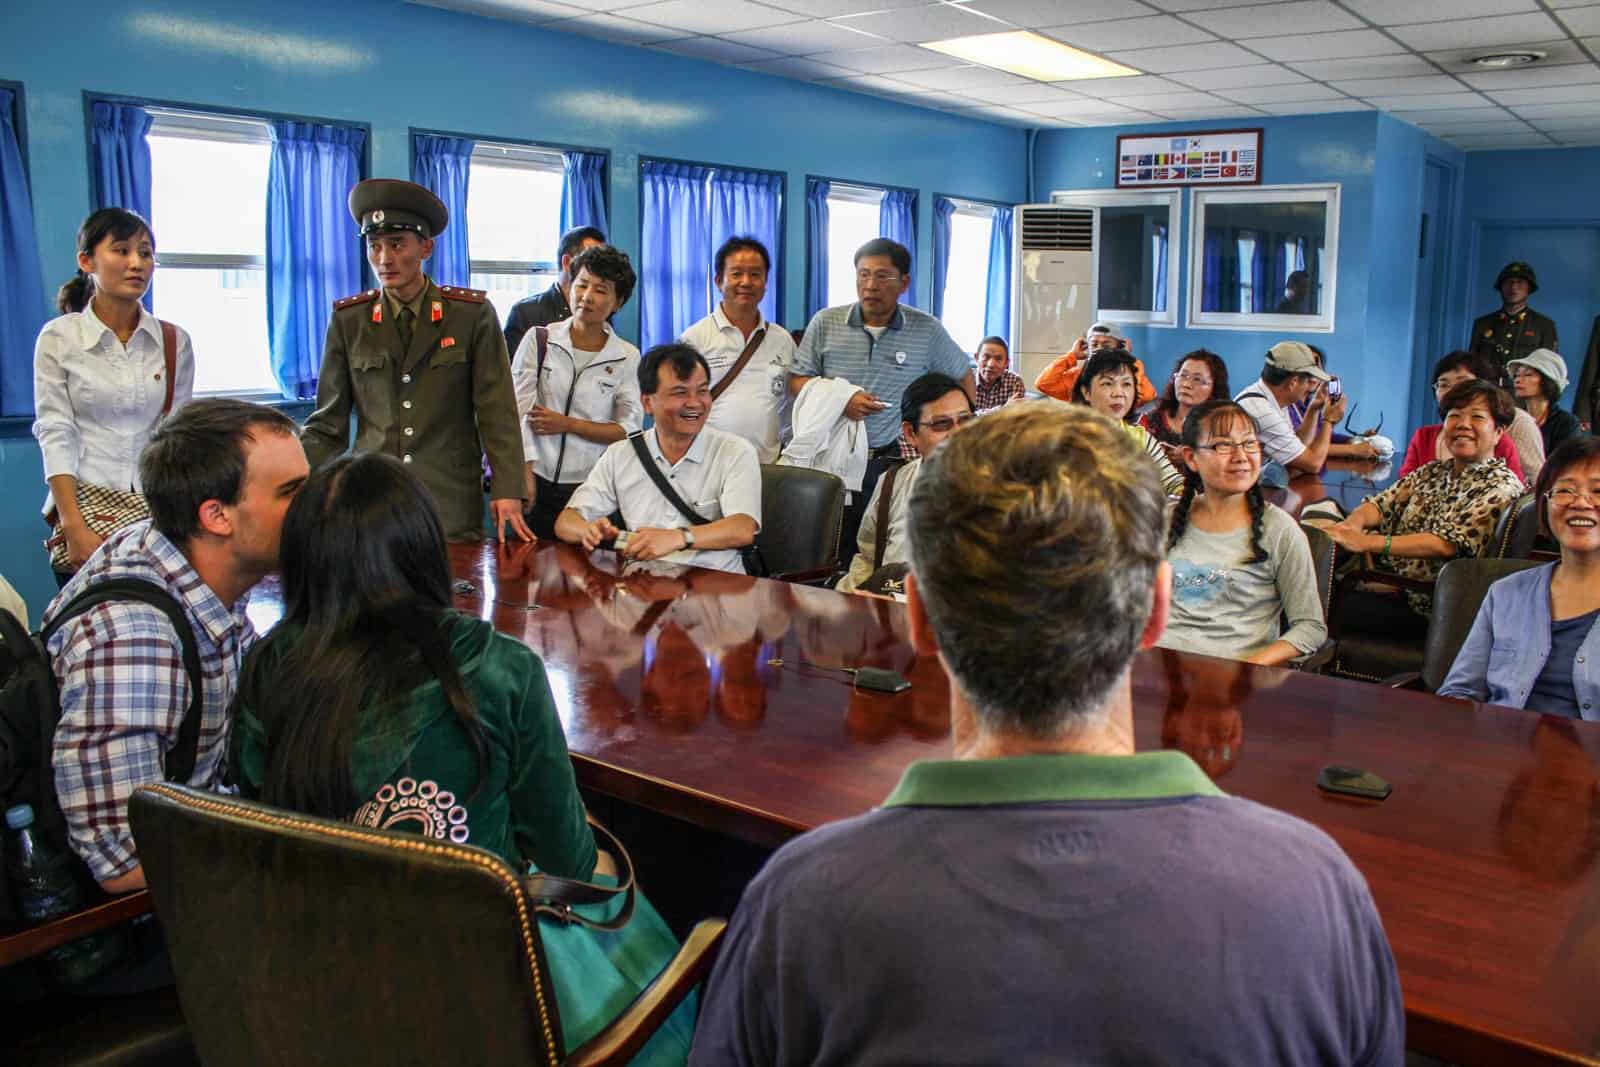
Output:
x=1516 y=329
x=424 y=367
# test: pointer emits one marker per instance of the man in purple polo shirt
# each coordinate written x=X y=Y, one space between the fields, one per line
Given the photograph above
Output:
x=1049 y=895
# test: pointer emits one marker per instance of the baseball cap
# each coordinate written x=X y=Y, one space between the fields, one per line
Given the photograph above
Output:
x=1296 y=358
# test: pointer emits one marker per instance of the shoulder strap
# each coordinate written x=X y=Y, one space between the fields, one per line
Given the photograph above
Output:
x=650 y=468
x=541 y=346
x=1254 y=394
x=554 y=896
x=880 y=543
x=169 y=348
x=181 y=758
x=750 y=347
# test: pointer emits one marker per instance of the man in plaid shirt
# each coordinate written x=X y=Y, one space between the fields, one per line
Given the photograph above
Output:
x=997 y=384
x=218 y=476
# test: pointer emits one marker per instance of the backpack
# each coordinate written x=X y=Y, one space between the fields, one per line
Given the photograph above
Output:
x=30 y=708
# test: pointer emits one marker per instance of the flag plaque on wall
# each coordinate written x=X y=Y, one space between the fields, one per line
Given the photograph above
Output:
x=1209 y=157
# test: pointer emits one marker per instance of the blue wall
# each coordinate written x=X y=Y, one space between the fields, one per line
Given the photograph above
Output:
x=396 y=66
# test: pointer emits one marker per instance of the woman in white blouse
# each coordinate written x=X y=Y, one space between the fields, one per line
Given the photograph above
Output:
x=100 y=370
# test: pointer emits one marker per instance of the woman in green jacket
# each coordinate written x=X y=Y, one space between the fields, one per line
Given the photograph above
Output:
x=373 y=701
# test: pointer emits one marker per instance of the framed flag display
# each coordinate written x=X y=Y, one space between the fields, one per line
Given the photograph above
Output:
x=1209 y=157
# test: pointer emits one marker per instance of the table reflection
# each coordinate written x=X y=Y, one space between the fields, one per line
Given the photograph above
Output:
x=1204 y=717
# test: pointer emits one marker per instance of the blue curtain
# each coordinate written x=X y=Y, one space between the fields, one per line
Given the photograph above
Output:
x=897 y=220
x=1158 y=300
x=121 y=160
x=1262 y=295
x=583 y=191
x=313 y=253
x=750 y=204
x=21 y=290
x=997 y=309
x=444 y=166
x=943 y=208
x=816 y=246
x=674 y=251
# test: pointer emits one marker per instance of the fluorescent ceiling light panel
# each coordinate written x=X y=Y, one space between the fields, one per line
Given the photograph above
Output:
x=1030 y=55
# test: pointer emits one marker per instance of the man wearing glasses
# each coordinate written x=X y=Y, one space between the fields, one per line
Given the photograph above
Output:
x=932 y=408
x=880 y=347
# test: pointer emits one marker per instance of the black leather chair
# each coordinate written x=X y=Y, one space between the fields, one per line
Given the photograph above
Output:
x=1324 y=556
x=303 y=940
x=1457 y=595
x=802 y=511
x=1517 y=532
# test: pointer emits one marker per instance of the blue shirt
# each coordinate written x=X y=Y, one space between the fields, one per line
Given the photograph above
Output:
x=1056 y=909
x=1511 y=643
x=1553 y=693
x=838 y=345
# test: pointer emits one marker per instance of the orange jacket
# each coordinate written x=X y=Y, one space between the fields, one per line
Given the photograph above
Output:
x=1061 y=375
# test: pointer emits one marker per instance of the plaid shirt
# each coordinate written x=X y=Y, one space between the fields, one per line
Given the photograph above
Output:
x=1002 y=391
x=124 y=690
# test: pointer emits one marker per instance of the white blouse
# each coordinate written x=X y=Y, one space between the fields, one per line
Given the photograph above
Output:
x=96 y=401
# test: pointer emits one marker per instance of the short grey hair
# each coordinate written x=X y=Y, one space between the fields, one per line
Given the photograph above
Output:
x=1036 y=534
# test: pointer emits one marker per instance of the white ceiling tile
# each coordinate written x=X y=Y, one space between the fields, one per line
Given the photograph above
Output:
x=1095 y=108
x=1533 y=78
x=1438 y=83
x=1592 y=44
x=1424 y=101
x=797 y=67
x=716 y=49
x=1481 y=126
x=1194 y=5
x=960 y=78
x=1220 y=111
x=1477 y=33
x=934 y=23
x=1314 y=107
x=868 y=83
x=889 y=59
x=1051 y=12
x=1460 y=60
x=1577 y=140
x=697 y=16
x=1185 y=57
x=1153 y=32
x=1017 y=95
x=1187 y=98
x=1281 y=94
x=1483 y=113
x=1269 y=20
x=804 y=38
x=1340 y=45
x=822 y=9
x=1117 y=88
x=1013 y=116
x=1582 y=20
x=533 y=12
x=1239 y=77
x=1399 y=12
x=1566 y=125
x=1399 y=66
x=1550 y=94
x=1500 y=140
x=1555 y=111
x=616 y=28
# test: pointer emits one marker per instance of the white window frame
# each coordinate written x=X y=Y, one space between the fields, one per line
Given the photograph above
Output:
x=530 y=157
x=205 y=126
x=971 y=209
x=1322 y=322
x=856 y=194
x=1103 y=198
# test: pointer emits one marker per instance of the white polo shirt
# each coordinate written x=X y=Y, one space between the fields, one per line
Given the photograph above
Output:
x=756 y=404
x=719 y=476
x=1279 y=442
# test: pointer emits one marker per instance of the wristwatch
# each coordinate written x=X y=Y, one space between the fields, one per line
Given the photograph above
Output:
x=688 y=536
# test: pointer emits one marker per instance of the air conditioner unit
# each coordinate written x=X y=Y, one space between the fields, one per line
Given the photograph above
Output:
x=1053 y=298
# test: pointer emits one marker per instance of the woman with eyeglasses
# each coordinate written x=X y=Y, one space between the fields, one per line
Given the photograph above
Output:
x=1200 y=376
x=1520 y=446
x=1239 y=564
x=1109 y=384
x=1537 y=381
x=1535 y=643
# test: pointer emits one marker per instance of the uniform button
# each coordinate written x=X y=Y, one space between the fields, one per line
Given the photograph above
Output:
x=406 y=404
x=1580 y=659
x=406 y=458
x=409 y=431
x=405 y=379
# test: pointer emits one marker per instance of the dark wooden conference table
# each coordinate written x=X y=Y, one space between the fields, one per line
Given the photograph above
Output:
x=716 y=699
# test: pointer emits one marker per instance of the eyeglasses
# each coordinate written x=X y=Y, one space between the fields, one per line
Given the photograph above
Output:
x=882 y=277
x=1566 y=497
x=946 y=423
x=1226 y=449
x=1185 y=378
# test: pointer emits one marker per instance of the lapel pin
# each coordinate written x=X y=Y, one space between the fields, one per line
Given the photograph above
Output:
x=377 y=311
x=438 y=311
x=448 y=342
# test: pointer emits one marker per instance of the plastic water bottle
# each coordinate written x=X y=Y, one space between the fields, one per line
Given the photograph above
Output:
x=45 y=889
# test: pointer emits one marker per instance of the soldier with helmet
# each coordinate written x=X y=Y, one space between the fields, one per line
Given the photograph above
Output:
x=1516 y=329
x=424 y=368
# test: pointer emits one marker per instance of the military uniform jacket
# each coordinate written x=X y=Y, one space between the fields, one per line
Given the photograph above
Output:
x=1504 y=337
x=438 y=406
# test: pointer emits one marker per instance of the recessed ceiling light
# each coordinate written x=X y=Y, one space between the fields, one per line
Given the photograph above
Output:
x=1499 y=60
x=1030 y=55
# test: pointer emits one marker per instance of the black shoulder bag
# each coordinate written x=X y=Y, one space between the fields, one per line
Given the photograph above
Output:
x=749 y=555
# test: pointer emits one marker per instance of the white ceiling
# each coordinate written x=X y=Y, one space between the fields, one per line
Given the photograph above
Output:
x=1202 y=59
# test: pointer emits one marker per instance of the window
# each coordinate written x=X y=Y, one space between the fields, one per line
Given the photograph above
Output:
x=212 y=279
x=513 y=221
x=852 y=222
x=1264 y=259
x=966 y=283
x=1136 y=275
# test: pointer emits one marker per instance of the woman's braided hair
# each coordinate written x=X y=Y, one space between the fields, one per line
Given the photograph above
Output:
x=1215 y=416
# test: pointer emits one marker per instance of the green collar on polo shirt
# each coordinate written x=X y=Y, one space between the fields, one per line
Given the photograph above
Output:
x=1056 y=776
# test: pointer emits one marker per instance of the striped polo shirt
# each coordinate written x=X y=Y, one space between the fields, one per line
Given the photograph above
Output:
x=838 y=345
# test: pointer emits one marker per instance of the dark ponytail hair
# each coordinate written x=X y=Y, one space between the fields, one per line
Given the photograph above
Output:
x=114 y=222
x=366 y=583
x=1209 y=417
